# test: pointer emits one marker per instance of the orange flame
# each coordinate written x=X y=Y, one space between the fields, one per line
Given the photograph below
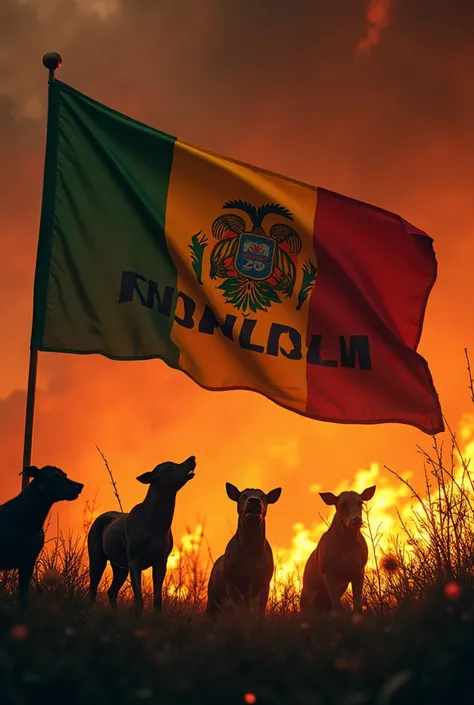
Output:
x=393 y=516
x=392 y=508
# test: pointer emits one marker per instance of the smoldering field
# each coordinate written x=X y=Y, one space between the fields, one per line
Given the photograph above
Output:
x=412 y=642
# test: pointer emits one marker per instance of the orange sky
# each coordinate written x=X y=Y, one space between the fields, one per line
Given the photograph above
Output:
x=286 y=90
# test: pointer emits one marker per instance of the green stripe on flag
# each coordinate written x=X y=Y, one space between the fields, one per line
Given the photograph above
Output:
x=43 y=256
x=102 y=236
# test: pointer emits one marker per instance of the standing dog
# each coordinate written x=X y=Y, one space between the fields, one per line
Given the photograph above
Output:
x=339 y=558
x=243 y=574
x=141 y=539
x=22 y=519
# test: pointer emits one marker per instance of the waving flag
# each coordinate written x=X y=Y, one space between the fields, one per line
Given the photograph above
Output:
x=241 y=278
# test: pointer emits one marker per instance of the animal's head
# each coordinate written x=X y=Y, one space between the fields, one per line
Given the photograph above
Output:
x=170 y=475
x=252 y=504
x=349 y=505
x=53 y=483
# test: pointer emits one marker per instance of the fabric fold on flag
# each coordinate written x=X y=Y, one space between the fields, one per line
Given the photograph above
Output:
x=150 y=247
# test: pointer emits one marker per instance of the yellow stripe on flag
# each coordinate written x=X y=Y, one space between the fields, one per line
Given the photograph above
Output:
x=200 y=184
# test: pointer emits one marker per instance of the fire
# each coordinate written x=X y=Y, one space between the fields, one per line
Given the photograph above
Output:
x=403 y=524
x=381 y=522
x=183 y=571
x=390 y=516
x=391 y=508
x=190 y=544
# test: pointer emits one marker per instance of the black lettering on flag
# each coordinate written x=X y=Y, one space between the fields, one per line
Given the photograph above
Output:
x=164 y=304
x=129 y=286
x=187 y=320
x=352 y=355
x=209 y=323
x=273 y=344
x=358 y=348
x=314 y=353
x=246 y=334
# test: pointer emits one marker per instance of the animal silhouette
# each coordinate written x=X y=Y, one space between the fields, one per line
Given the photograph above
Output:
x=22 y=520
x=339 y=558
x=243 y=574
x=140 y=539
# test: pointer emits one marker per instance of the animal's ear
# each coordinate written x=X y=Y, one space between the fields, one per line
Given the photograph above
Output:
x=232 y=492
x=31 y=471
x=368 y=493
x=274 y=495
x=145 y=478
x=328 y=497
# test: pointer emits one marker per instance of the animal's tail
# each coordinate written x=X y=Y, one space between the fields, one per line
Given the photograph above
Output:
x=97 y=556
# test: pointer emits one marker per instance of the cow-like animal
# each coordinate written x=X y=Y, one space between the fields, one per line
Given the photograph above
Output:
x=22 y=520
x=339 y=558
x=243 y=574
x=140 y=539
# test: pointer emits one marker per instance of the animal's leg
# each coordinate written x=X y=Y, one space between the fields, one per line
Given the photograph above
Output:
x=263 y=599
x=97 y=563
x=212 y=603
x=306 y=602
x=333 y=588
x=118 y=579
x=322 y=601
x=314 y=599
x=357 y=584
x=24 y=578
x=211 y=607
x=214 y=589
x=159 y=572
x=136 y=580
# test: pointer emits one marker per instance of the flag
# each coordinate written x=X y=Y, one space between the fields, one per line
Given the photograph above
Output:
x=150 y=247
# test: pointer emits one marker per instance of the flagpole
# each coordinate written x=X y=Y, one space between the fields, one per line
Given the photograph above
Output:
x=51 y=61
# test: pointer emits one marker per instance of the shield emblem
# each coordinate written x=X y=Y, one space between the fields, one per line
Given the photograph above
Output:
x=255 y=256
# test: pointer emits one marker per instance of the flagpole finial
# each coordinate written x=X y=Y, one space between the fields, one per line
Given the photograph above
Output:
x=52 y=61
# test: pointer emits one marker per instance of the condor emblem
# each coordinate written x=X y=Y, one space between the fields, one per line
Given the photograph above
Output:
x=256 y=268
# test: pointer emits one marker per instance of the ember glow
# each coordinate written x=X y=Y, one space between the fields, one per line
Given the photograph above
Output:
x=392 y=507
x=378 y=15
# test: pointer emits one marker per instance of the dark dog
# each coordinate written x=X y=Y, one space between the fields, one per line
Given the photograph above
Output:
x=243 y=574
x=22 y=519
x=141 y=539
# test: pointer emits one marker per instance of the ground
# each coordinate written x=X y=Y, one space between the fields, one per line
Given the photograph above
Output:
x=62 y=651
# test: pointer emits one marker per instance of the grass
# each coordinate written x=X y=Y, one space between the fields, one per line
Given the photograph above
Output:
x=422 y=654
x=413 y=642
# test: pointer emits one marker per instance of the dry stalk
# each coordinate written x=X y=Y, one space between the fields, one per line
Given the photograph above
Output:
x=471 y=381
x=112 y=480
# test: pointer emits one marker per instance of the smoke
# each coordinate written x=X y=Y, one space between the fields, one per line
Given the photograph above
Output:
x=379 y=16
x=270 y=86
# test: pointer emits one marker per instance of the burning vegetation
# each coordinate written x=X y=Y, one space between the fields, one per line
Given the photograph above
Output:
x=417 y=541
x=412 y=641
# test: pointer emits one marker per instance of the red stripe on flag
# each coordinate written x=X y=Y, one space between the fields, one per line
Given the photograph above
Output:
x=375 y=274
